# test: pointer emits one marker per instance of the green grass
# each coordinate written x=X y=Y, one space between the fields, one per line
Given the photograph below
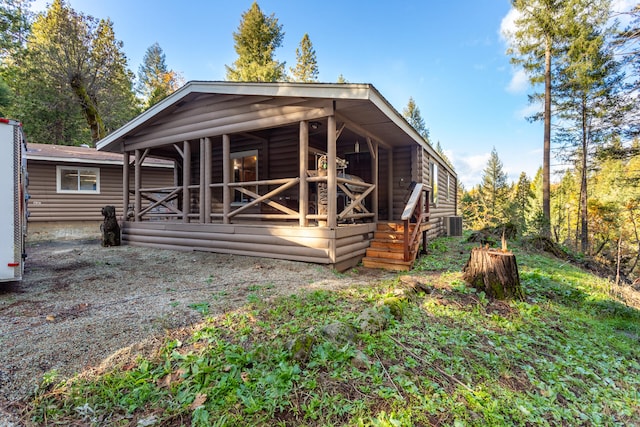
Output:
x=567 y=355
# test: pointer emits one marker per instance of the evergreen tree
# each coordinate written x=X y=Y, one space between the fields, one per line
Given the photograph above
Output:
x=539 y=38
x=535 y=217
x=521 y=203
x=306 y=69
x=494 y=190
x=412 y=113
x=75 y=57
x=256 y=40
x=155 y=80
x=341 y=79
x=15 y=23
x=588 y=84
x=473 y=209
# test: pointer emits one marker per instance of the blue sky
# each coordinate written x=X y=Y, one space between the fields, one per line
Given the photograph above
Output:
x=448 y=56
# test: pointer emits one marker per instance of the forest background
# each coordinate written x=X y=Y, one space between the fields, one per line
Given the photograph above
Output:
x=65 y=75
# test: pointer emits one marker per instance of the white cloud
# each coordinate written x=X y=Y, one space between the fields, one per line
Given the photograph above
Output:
x=508 y=25
x=469 y=167
x=519 y=82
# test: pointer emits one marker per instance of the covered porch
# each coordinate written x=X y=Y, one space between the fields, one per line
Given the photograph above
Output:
x=292 y=177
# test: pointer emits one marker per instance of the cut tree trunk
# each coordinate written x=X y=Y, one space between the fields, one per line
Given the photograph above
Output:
x=495 y=272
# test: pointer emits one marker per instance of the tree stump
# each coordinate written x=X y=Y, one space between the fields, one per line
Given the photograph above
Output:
x=495 y=272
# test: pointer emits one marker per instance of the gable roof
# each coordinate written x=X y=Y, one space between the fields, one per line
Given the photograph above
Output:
x=361 y=104
x=87 y=155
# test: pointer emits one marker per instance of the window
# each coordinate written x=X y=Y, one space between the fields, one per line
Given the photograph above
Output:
x=245 y=169
x=434 y=183
x=77 y=180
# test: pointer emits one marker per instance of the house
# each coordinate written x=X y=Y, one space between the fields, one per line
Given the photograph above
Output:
x=68 y=186
x=302 y=171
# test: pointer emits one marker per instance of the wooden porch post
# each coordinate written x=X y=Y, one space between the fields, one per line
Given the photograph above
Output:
x=202 y=183
x=374 y=170
x=226 y=177
x=390 y=185
x=125 y=185
x=332 y=190
x=186 y=180
x=207 y=180
x=137 y=183
x=303 y=199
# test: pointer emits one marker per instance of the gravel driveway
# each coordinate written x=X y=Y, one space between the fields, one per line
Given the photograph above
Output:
x=83 y=307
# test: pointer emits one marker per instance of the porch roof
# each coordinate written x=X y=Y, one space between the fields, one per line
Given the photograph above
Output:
x=360 y=104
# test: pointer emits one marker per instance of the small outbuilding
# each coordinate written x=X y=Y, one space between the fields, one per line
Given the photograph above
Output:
x=69 y=185
x=302 y=171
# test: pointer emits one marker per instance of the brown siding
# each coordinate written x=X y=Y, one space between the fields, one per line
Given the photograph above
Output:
x=402 y=177
x=445 y=206
x=293 y=243
x=47 y=205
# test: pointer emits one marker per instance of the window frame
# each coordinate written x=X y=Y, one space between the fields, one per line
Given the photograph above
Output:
x=77 y=169
x=244 y=199
x=433 y=178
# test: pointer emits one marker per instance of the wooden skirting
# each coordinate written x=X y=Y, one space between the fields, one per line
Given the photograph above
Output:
x=340 y=248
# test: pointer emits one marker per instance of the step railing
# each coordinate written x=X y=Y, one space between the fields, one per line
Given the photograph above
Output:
x=415 y=212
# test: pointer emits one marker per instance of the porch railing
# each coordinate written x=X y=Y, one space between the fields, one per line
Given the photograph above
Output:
x=162 y=202
x=416 y=213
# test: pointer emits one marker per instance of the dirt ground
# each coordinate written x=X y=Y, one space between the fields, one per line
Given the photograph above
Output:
x=84 y=307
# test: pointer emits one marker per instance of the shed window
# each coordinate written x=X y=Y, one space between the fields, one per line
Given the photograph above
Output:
x=77 y=180
x=245 y=169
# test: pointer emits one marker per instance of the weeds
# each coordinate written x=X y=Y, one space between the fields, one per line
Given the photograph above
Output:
x=566 y=355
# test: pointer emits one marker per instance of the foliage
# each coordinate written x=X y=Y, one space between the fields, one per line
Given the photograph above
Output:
x=412 y=113
x=74 y=69
x=494 y=190
x=257 y=38
x=15 y=23
x=521 y=198
x=155 y=80
x=306 y=69
x=566 y=355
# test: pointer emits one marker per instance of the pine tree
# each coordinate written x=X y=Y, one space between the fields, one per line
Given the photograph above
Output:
x=588 y=82
x=256 y=40
x=412 y=113
x=539 y=37
x=15 y=25
x=494 y=190
x=306 y=69
x=155 y=80
x=74 y=57
x=521 y=202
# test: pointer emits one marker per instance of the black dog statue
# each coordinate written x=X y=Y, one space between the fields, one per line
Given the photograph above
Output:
x=110 y=228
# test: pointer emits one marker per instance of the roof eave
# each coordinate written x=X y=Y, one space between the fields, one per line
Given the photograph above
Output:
x=310 y=90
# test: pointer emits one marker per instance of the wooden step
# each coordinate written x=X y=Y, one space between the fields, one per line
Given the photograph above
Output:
x=393 y=227
x=388 y=235
x=387 y=244
x=387 y=264
x=384 y=254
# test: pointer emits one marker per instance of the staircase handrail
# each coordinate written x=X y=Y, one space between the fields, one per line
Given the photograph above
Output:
x=414 y=210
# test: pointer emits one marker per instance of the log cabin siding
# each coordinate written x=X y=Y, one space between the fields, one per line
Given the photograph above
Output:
x=283 y=242
x=277 y=120
x=444 y=206
x=47 y=205
x=227 y=115
x=402 y=177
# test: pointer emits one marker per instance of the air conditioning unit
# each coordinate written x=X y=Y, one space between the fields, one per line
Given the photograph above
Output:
x=454 y=225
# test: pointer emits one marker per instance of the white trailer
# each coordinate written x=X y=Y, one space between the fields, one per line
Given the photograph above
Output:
x=13 y=194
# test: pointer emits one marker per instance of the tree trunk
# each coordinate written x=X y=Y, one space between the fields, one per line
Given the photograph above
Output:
x=495 y=272
x=546 y=151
